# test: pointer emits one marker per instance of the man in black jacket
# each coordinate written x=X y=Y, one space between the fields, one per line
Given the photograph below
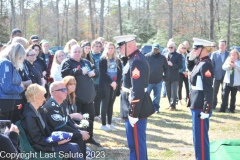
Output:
x=158 y=65
x=83 y=72
x=174 y=64
x=57 y=120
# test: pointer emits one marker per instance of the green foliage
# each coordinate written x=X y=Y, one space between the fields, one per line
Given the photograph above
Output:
x=141 y=28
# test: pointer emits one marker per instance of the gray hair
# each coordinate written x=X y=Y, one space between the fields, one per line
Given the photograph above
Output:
x=15 y=53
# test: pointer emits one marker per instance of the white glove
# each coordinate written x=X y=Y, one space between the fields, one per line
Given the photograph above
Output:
x=204 y=115
x=191 y=56
x=132 y=120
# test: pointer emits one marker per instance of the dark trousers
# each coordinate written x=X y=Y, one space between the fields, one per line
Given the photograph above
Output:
x=182 y=79
x=225 y=94
x=172 y=87
x=6 y=107
x=86 y=108
x=97 y=101
x=107 y=104
x=69 y=147
x=216 y=84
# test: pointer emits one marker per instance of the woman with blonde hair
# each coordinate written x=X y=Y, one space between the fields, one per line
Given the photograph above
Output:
x=56 y=65
x=68 y=46
x=110 y=69
x=231 y=80
x=183 y=74
x=11 y=60
x=35 y=126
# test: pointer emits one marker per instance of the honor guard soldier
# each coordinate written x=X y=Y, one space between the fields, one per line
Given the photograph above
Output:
x=136 y=104
x=201 y=98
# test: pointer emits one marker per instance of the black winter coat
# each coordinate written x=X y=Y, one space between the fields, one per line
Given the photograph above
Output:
x=34 y=130
x=173 y=71
x=85 y=89
x=158 y=66
x=105 y=78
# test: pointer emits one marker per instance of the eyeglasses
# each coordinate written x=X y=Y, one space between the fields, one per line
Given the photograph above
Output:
x=183 y=48
x=213 y=46
x=31 y=55
x=170 y=47
x=62 y=89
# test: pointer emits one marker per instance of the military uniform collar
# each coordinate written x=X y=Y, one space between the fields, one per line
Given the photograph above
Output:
x=133 y=54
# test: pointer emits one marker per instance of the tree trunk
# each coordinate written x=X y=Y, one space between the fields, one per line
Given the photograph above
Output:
x=101 y=19
x=229 y=21
x=13 y=15
x=91 y=19
x=66 y=29
x=170 y=18
x=57 y=22
x=76 y=21
x=211 y=33
x=119 y=16
x=129 y=9
x=40 y=33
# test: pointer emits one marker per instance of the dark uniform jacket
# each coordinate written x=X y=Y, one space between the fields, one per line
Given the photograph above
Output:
x=34 y=130
x=158 y=66
x=105 y=78
x=85 y=89
x=136 y=77
x=202 y=80
x=176 y=59
x=57 y=120
x=9 y=144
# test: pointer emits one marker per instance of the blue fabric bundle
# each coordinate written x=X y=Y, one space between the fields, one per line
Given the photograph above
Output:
x=59 y=136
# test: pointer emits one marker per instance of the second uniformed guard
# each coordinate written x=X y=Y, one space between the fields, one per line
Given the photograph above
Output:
x=136 y=104
x=201 y=98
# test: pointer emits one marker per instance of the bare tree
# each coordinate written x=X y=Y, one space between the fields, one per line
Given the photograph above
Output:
x=211 y=33
x=129 y=9
x=120 y=16
x=229 y=21
x=91 y=19
x=101 y=23
x=40 y=33
x=76 y=21
x=170 y=18
x=13 y=14
x=57 y=22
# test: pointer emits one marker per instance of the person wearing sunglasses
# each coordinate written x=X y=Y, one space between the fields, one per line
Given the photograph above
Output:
x=174 y=64
x=201 y=98
x=33 y=70
x=56 y=118
x=183 y=74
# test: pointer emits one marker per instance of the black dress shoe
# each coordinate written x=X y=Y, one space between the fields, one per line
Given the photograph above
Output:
x=221 y=111
x=92 y=141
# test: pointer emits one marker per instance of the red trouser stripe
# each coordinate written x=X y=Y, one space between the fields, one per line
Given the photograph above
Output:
x=202 y=137
x=135 y=133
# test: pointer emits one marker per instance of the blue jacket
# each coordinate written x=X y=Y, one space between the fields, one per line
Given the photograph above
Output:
x=183 y=69
x=217 y=64
x=10 y=81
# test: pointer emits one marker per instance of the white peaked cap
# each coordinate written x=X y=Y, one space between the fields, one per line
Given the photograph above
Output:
x=123 y=39
x=201 y=42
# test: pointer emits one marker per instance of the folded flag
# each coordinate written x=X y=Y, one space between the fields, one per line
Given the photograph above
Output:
x=58 y=136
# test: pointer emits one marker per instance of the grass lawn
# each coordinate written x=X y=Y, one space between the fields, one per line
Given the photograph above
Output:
x=169 y=133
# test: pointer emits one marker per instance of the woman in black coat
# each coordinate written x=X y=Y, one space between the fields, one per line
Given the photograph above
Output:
x=35 y=126
x=110 y=69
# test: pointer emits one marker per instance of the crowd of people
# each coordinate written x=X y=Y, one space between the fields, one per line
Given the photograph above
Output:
x=51 y=92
